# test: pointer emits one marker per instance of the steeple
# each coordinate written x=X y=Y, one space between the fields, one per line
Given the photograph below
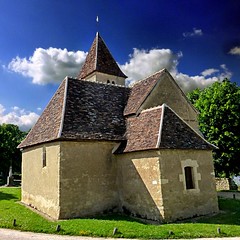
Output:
x=100 y=65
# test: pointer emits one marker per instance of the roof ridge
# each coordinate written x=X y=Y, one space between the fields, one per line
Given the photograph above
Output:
x=150 y=75
x=64 y=107
x=152 y=108
x=160 y=126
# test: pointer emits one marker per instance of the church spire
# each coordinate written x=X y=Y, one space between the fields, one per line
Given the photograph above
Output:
x=100 y=64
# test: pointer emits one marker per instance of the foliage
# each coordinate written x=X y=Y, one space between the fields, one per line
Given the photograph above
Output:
x=10 y=137
x=102 y=226
x=219 y=120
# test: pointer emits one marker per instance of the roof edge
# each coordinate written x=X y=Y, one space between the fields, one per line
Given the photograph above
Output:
x=160 y=127
x=64 y=107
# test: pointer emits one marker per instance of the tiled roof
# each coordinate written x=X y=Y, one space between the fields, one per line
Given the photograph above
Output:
x=160 y=127
x=140 y=91
x=100 y=59
x=48 y=125
x=94 y=111
x=81 y=110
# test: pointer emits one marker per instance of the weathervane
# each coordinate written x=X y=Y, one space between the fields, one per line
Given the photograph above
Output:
x=97 y=23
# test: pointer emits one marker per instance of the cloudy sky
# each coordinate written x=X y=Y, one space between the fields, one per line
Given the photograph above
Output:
x=42 y=41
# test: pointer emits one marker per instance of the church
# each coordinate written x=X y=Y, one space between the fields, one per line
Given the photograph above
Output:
x=103 y=147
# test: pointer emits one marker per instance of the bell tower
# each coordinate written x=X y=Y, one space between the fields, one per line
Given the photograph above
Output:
x=100 y=65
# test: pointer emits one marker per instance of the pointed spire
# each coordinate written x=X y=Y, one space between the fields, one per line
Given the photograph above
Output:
x=99 y=59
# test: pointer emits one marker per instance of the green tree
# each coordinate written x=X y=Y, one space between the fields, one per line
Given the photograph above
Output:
x=219 y=121
x=10 y=137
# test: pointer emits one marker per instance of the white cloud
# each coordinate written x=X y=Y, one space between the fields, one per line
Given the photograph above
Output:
x=24 y=119
x=195 y=32
x=143 y=63
x=50 y=65
x=235 y=51
x=209 y=72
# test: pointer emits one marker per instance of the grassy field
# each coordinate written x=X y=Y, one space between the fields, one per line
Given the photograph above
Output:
x=228 y=221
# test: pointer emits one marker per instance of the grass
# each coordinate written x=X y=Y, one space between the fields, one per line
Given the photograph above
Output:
x=228 y=220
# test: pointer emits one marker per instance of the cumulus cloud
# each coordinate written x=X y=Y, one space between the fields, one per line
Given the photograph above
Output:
x=209 y=72
x=143 y=63
x=195 y=32
x=52 y=65
x=48 y=65
x=24 y=119
x=235 y=51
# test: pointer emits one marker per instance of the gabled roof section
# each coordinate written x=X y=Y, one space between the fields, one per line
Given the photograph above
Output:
x=153 y=88
x=49 y=123
x=99 y=59
x=140 y=91
x=81 y=110
x=160 y=128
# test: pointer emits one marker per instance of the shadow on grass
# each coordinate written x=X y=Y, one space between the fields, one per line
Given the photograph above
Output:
x=7 y=196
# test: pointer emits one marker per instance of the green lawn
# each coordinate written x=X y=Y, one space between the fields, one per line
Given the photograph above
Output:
x=26 y=220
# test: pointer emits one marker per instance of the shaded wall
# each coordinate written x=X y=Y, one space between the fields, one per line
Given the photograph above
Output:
x=139 y=183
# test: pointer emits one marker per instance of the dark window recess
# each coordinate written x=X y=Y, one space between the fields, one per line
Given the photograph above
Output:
x=44 y=157
x=189 y=177
x=113 y=82
x=108 y=81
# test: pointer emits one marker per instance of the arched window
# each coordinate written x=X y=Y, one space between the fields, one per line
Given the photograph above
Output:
x=113 y=82
x=189 y=180
x=108 y=81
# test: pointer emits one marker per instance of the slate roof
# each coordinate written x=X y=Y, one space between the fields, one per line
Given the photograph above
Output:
x=140 y=91
x=160 y=128
x=100 y=59
x=81 y=110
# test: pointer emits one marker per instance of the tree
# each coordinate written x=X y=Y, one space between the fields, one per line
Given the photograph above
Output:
x=219 y=121
x=10 y=137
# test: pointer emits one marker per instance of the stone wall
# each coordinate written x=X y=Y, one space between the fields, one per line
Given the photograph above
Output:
x=40 y=181
x=88 y=179
x=178 y=201
x=139 y=184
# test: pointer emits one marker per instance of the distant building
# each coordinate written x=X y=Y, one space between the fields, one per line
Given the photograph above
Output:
x=100 y=146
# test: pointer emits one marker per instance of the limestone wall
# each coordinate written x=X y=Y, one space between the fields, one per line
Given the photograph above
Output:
x=40 y=184
x=180 y=202
x=88 y=178
x=139 y=182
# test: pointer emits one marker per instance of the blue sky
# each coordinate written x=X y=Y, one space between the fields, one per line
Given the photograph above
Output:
x=42 y=41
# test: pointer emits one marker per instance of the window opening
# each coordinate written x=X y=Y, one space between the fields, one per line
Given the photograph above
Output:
x=108 y=81
x=113 y=82
x=44 y=157
x=189 y=177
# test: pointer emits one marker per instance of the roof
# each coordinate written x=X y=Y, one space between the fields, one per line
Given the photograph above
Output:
x=81 y=110
x=99 y=59
x=160 y=128
x=140 y=91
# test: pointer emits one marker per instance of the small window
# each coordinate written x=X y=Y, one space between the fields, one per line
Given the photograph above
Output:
x=108 y=81
x=189 y=177
x=44 y=157
x=113 y=82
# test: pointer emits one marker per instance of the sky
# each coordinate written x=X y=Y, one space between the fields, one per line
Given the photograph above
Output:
x=43 y=41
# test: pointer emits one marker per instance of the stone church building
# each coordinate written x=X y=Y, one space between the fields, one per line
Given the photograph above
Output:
x=101 y=146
